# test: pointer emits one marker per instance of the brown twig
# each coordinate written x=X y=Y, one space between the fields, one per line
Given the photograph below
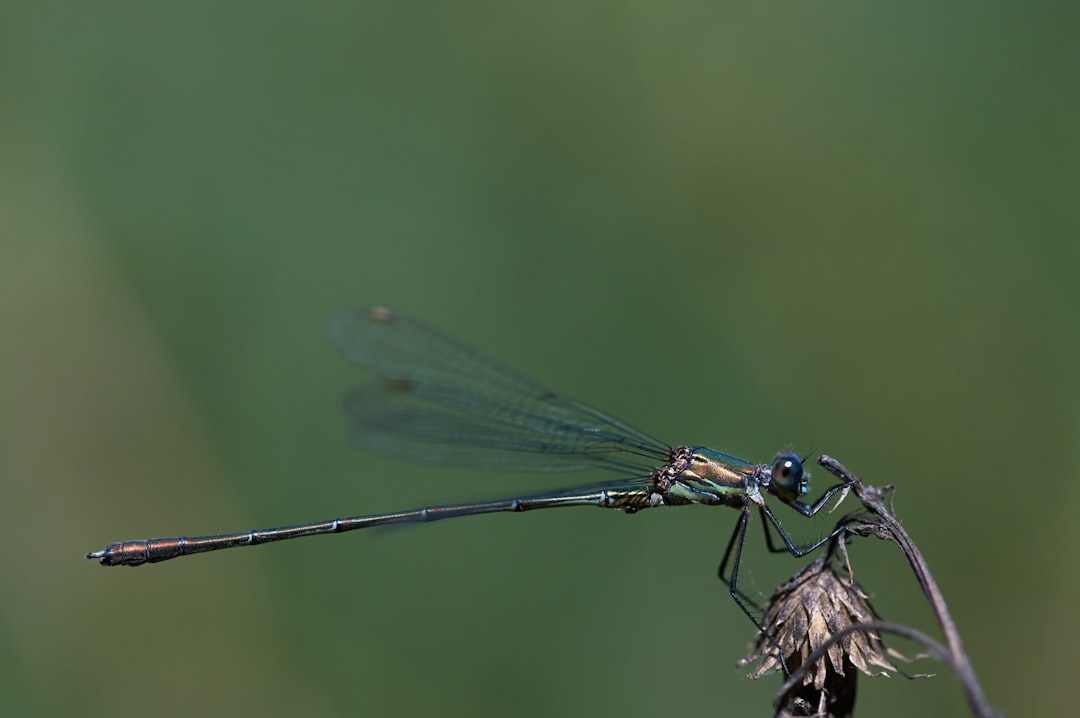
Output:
x=880 y=522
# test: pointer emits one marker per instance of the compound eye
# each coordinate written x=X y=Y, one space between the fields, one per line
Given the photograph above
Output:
x=787 y=475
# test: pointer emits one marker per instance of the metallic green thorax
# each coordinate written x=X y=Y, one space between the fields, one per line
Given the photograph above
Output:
x=699 y=475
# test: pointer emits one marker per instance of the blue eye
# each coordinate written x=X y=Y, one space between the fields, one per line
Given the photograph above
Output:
x=787 y=475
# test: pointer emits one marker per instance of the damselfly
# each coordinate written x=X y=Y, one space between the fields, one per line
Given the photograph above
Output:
x=438 y=401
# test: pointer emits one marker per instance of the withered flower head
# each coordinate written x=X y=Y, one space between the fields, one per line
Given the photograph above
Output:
x=802 y=615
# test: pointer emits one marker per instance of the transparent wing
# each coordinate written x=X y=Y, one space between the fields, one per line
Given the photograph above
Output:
x=441 y=402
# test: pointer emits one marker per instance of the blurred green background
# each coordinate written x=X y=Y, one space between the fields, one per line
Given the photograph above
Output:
x=837 y=227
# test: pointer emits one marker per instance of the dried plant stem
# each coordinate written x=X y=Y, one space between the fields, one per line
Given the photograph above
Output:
x=880 y=522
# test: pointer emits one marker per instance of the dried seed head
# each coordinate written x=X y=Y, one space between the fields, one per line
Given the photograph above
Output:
x=803 y=614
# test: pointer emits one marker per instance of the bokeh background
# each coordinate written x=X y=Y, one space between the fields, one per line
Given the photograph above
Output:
x=837 y=227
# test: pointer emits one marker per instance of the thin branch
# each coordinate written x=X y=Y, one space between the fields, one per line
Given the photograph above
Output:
x=881 y=523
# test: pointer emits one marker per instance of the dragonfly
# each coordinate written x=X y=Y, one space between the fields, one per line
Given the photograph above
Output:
x=438 y=401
